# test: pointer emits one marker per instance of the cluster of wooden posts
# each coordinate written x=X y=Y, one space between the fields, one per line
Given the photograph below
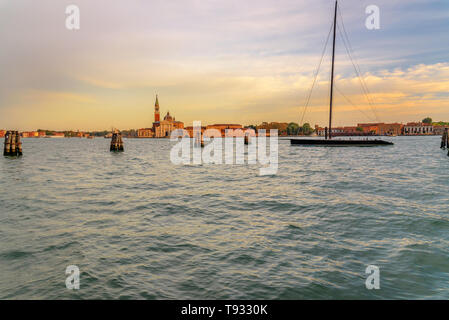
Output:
x=117 y=142
x=445 y=140
x=13 y=145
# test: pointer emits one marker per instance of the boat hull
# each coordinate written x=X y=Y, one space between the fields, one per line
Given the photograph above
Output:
x=340 y=143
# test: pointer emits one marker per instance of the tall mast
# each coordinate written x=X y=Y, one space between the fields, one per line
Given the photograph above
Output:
x=332 y=73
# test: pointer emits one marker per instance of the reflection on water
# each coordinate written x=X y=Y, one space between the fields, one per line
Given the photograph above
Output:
x=139 y=227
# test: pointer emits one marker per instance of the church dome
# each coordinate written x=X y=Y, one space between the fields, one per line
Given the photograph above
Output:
x=168 y=117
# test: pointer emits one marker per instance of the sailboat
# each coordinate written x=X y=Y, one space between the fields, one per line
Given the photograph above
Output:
x=328 y=141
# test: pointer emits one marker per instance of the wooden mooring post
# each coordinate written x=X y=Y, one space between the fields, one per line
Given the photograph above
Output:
x=13 y=145
x=198 y=141
x=117 y=142
x=249 y=135
x=445 y=140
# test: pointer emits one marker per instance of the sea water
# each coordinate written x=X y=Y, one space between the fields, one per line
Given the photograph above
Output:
x=139 y=227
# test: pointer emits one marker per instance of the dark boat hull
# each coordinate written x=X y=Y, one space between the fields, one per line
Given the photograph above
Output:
x=340 y=143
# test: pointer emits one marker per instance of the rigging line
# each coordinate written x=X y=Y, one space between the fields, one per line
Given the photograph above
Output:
x=358 y=74
x=357 y=69
x=315 y=77
x=354 y=105
x=349 y=100
x=356 y=66
x=361 y=79
x=351 y=49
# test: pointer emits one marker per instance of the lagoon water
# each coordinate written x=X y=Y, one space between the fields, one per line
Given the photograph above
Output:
x=139 y=227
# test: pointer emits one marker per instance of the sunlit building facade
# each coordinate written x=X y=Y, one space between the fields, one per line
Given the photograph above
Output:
x=161 y=128
x=418 y=128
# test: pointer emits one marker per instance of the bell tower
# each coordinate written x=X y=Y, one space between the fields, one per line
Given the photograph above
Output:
x=156 y=110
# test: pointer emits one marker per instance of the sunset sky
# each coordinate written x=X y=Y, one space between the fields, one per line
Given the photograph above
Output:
x=218 y=61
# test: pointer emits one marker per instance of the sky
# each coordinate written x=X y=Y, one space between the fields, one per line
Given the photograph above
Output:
x=218 y=61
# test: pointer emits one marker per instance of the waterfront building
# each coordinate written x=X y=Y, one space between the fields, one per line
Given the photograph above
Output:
x=380 y=128
x=383 y=129
x=30 y=134
x=190 y=130
x=220 y=127
x=364 y=129
x=280 y=126
x=418 y=128
x=337 y=131
x=369 y=128
x=319 y=131
x=145 y=133
x=390 y=129
x=58 y=135
x=223 y=127
x=165 y=127
x=350 y=130
x=439 y=129
x=161 y=128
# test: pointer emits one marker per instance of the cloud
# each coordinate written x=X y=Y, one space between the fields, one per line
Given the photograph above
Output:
x=215 y=61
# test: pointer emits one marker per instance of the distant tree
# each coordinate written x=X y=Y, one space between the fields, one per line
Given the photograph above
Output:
x=307 y=129
x=47 y=132
x=427 y=120
x=131 y=133
x=360 y=129
x=102 y=133
x=441 y=123
x=292 y=129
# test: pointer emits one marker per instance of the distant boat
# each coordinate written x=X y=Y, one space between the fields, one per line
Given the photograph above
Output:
x=328 y=132
x=90 y=137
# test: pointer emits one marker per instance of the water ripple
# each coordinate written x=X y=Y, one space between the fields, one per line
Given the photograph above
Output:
x=139 y=227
